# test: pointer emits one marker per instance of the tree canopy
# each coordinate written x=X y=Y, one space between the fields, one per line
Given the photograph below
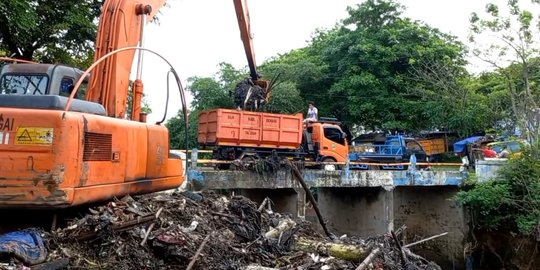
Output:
x=383 y=71
x=48 y=30
x=513 y=52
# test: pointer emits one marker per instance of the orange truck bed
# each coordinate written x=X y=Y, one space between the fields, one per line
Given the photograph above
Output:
x=225 y=127
x=433 y=146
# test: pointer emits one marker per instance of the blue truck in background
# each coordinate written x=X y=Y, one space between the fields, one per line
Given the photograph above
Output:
x=385 y=149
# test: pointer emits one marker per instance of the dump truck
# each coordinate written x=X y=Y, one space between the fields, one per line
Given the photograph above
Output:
x=391 y=149
x=435 y=146
x=246 y=135
x=437 y=143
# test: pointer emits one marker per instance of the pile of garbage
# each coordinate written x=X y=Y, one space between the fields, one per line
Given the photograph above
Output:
x=185 y=230
x=248 y=95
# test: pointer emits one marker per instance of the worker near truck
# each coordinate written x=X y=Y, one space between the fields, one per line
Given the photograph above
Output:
x=488 y=152
x=504 y=153
x=312 y=114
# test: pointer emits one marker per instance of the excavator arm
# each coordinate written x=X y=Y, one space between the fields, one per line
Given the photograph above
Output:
x=249 y=94
x=242 y=15
x=121 y=25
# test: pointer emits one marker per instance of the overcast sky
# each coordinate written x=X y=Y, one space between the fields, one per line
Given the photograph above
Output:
x=196 y=35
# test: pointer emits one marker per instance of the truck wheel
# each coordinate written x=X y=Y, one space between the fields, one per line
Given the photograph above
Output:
x=330 y=167
x=223 y=166
x=247 y=159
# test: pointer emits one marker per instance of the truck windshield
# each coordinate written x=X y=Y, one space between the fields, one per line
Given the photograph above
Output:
x=24 y=84
x=334 y=135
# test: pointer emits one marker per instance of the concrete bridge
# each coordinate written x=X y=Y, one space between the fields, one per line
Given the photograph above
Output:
x=362 y=202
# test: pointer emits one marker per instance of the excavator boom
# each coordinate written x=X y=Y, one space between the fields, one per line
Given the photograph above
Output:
x=242 y=15
x=254 y=93
x=120 y=26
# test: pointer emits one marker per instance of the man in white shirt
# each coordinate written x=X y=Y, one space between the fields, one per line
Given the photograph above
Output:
x=312 y=114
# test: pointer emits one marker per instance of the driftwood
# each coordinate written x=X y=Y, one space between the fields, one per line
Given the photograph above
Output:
x=264 y=203
x=368 y=259
x=117 y=228
x=150 y=228
x=420 y=258
x=198 y=253
x=343 y=251
x=424 y=240
x=300 y=179
x=404 y=260
x=284 y=225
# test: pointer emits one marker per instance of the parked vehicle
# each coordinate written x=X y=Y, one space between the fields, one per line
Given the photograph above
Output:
x=394 y=149
x=513 y=146
x=434 y=146
x=437 y=143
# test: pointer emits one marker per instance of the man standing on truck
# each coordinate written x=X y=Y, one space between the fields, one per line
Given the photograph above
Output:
x=312 y=114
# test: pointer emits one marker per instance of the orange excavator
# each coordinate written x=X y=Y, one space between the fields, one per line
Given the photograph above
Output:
x=66 y=138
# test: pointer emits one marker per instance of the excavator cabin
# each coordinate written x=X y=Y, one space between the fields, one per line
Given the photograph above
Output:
x=55 y=158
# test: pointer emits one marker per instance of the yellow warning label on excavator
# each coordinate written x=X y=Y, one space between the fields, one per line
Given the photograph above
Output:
x=34 y=136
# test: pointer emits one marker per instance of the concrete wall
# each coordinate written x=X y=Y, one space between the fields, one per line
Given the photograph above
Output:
x=285 y=201
x=487 y=169
x=364 y=203
x=428 y=211
x=425 y=211
x=362 y=211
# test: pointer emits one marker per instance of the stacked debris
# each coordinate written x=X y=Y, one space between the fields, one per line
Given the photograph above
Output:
x=209 y=231
x=248 y=95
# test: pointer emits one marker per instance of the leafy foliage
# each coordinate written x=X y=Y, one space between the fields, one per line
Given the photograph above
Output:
x=48 y=30
x=381 y=70
x=360 y=70
x=177 y=131
x=512 y=53
x=510 y=202
x=214 y=92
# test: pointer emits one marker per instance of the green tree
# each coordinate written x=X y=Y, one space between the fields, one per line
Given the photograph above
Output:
x=512 y=52
x=360 y=70
x=208 y=93
x=49 y=30
x=214 y=92
x=511 y=202
x=177 y=130
x=285 y=98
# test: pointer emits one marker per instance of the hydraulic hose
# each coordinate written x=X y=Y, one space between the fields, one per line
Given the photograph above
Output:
x=166 y=101
x=180 y=88
x=184 y=110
